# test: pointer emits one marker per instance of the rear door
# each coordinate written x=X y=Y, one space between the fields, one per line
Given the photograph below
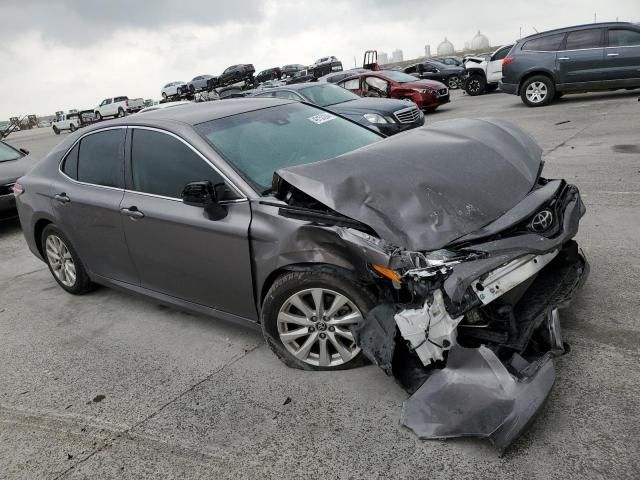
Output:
x=622 y=57
x=580 y=61
x=177 y=249
x=87 y=203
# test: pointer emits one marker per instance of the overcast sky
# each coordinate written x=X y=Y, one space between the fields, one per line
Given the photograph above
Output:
x=63 y=54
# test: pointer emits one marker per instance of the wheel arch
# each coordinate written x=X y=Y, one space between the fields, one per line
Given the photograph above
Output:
x=476 y=71
x=305 y=267
x=533 y=73
x=38 y=228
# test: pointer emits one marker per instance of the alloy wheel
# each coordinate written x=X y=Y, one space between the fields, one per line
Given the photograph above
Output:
x=313 y=325
x=60 y=260
x=452 y=83
x=536 y=92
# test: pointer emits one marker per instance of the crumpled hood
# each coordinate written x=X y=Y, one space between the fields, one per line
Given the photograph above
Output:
x=427 y=187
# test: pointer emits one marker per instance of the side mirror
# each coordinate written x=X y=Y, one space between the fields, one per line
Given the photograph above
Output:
x=205 y=195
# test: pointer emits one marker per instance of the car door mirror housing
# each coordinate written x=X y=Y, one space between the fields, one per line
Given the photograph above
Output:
x=205 y=195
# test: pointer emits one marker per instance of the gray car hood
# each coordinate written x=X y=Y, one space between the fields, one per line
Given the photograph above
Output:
x=427 y=187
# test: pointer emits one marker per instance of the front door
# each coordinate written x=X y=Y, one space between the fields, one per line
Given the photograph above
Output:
x=581 y=62
x=176 y=248
x=622 y=57
x=87 y=204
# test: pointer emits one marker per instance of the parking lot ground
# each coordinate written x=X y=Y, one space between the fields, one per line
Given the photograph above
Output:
x=110 y=385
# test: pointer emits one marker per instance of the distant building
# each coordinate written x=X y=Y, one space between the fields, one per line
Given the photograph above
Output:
x=445 y=48
x=383 y=58
x=397 y=56
x=427 y=50
x=479 y=42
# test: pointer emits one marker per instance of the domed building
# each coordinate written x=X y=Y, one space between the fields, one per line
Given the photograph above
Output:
x=479 y=42
x=445 y=48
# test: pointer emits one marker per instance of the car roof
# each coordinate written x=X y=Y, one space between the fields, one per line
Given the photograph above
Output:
x=579 y=27
x=205 y=111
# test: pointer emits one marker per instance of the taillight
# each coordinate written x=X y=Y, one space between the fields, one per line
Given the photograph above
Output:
x=18 y=189
x=507 y=60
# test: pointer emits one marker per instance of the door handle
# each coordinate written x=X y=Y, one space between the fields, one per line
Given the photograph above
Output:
x=612 y=54
x=62 y=198
x=132 y=212
x=563 y=58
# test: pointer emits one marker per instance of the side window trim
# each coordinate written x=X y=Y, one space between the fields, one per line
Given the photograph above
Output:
x=77 y=142
x=129 y=159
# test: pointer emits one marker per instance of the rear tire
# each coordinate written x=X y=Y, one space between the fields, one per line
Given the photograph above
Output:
x=121 y=113
x=309 y=337
x=475 y=85
x=453 y=82
x=72 y=127
x=63 y=262
x=537 y=91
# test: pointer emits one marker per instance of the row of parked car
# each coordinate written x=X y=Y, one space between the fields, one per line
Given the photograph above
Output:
x=543 y=67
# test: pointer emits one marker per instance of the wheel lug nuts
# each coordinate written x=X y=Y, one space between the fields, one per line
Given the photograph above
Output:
x=332 y=329
x=314 y=319
x=311 y=329
x=323 y=335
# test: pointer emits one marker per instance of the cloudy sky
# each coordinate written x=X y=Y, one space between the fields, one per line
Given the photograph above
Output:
x=63 y=54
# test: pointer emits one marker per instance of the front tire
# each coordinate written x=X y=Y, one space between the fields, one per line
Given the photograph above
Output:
x=537 y=91
x=56 y=130
x=475 y=85
x=306 y=318
x=98 y=116
x=63 y=262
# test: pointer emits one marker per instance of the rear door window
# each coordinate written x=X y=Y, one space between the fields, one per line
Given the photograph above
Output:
x=70 y=166
x=101 y=158
x=500 y=54
x=548 y=43
x=623 y=37
x=353 y=84
x=163 y=165
x=582 y=39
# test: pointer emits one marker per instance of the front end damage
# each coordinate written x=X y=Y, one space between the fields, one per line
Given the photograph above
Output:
x=472 y=257
x=471 y=331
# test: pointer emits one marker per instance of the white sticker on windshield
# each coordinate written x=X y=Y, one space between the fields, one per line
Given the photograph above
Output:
x=322 y=118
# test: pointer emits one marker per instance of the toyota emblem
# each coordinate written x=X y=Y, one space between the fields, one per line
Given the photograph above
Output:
x=541 y=221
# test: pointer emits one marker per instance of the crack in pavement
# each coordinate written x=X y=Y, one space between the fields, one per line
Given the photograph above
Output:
x=129 y=430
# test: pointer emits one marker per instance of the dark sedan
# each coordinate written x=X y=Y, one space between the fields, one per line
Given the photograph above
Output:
x=447 y=74
x=13 y=164
x=387 y=116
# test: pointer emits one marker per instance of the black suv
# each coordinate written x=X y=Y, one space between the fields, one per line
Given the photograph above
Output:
x=598 y=56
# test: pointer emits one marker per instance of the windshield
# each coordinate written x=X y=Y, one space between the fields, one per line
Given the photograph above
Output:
x=257 y=144
x=7 y=153
x=327 y=94
x=398 y=76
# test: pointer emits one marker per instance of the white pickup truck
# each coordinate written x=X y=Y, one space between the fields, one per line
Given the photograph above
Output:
x=118 y=107
x=66 y=121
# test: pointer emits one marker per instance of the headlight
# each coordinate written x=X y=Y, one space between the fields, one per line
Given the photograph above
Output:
x=374 y=118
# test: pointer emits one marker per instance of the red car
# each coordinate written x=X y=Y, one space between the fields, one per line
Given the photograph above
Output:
x=427 y=94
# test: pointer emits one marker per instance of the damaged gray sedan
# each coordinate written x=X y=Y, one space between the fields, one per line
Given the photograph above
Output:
x=441 y=254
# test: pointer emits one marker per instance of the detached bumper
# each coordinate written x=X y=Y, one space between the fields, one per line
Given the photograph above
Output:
x=511 y=88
